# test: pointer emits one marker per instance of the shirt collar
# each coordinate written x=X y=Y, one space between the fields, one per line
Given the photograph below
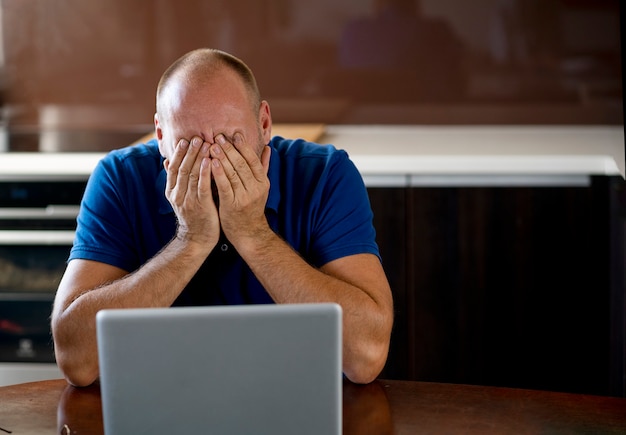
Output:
x=164 y=205
x=273 y=174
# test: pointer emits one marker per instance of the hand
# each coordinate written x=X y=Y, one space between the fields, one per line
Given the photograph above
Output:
x=243 y=187
x=188 y=189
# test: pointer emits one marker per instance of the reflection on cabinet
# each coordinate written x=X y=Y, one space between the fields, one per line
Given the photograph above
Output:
x=506 y=286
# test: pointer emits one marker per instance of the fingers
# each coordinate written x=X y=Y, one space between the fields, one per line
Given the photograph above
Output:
x=226 y=176
x=196 y=181
x=188 y=190
x=204 y=184
x=172 y=165
x=235 y=166
x=240 y=162
x=188 y=169
x=265 y=158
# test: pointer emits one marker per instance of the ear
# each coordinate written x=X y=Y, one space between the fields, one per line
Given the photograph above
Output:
x=158 y=132
x=265 y=121
x=157 y=127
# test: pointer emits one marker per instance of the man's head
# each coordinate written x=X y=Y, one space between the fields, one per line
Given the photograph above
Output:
x=207 y=92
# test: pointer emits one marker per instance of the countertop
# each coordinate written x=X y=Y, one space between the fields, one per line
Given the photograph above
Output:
x=419 y=155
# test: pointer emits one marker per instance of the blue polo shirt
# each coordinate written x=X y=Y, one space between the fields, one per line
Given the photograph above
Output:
x=317 y=203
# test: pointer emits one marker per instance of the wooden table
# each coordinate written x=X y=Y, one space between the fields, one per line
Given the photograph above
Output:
x=383 y=407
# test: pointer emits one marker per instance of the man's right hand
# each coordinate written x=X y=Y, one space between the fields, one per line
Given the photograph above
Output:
x=188 y=190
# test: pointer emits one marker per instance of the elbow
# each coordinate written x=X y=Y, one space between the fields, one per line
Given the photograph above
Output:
x=368 y=363
x=362 y=377
x=77 y=371
x=367 y=368
x=77 y=375
x=365 y=357
x=79 y=368
x=78 y=381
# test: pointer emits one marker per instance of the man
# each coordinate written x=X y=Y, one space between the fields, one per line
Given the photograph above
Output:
x=216 y=211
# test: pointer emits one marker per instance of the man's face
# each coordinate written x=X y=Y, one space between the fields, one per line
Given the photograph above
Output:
x=219 y=105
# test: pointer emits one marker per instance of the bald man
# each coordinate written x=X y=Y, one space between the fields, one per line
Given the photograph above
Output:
x=216 y=211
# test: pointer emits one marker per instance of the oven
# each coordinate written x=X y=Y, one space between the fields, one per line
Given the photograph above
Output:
x=37 y=225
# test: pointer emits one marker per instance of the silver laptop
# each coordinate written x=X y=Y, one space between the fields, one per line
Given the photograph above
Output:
x=254 y=369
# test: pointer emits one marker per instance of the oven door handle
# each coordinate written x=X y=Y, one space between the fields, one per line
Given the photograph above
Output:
x=36 y=237
x=49 y=212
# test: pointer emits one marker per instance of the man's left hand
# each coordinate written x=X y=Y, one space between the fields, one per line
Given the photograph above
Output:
x=242 y=185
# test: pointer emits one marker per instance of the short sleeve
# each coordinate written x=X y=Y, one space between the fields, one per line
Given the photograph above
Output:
x=343 y=223
x=103 y=231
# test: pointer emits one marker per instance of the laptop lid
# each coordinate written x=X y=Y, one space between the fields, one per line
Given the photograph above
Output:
x=262 y=369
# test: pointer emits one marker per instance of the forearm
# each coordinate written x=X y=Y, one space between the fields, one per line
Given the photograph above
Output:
x=367 y=316
x=156 y=284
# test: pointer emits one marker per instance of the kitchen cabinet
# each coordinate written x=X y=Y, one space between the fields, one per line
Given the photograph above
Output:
x=512 y=286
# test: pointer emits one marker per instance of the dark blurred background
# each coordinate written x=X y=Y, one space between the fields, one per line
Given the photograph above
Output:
x=347 y=61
